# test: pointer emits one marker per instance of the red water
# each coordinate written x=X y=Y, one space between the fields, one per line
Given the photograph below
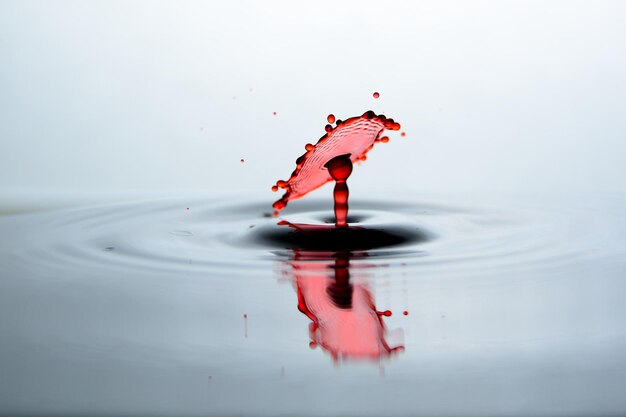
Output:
x=344 y=319
x=353 y=138
x=376 y=95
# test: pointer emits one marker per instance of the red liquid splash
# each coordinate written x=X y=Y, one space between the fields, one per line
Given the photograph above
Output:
x=352 y=138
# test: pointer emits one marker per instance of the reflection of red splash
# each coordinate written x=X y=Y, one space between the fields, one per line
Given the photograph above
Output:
x=353 y=137
x=345 y=322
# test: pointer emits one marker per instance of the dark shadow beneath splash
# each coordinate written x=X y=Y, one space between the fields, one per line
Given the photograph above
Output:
x=329 y=238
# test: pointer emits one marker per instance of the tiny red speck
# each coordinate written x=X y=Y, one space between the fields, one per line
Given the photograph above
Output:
x=403 y=134
x=406 y=313
x=274 y=113
x=376 y=95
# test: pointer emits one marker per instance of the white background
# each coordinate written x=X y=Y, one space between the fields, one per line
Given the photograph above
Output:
x=159 y=96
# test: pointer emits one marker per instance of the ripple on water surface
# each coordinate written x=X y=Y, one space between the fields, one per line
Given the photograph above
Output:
x=206 y=236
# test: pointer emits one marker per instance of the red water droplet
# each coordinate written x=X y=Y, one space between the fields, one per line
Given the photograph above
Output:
x=376 y=95
x=242 y=161
x=406 y=313
x=353 y=137
x=386 y=313
x=384 y=139
x=328 y=128
x=274 y=113
x=275 y=213
x=403 y=134
x=274 y=188
x=309 y=147
x=331 y=118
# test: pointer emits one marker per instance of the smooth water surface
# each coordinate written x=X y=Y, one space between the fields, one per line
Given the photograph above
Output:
x=209 y=307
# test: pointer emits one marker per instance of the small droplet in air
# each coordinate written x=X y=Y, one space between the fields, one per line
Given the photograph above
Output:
x=406 y=313
x=274 y=188
x=403 y=134
x=274 y=113
x=384 y=139
x=376 y=95
x=242 y=160
x=331 y=118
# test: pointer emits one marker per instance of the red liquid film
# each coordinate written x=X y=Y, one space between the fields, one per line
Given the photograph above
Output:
x=376 y=95
x=352 y=138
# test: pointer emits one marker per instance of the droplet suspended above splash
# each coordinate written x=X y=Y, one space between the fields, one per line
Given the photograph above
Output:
x=352 y=138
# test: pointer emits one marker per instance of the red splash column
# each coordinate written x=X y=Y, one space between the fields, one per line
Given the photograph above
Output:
x=340 y=168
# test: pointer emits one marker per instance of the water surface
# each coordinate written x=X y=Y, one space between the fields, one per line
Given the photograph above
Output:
x=191 y=307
